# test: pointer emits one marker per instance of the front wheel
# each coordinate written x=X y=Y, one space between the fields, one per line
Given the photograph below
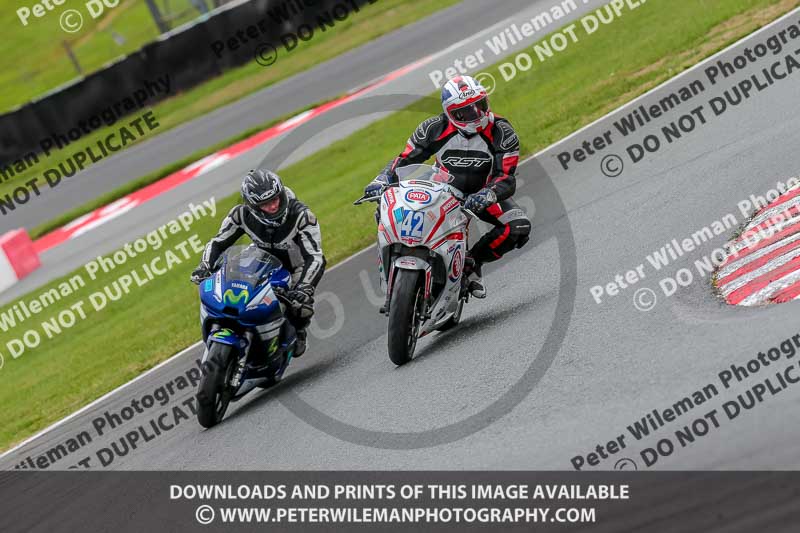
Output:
x=404 y=312
x=213 y=392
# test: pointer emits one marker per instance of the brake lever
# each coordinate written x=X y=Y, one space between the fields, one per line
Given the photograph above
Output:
x=365 y=199
x=376 y=198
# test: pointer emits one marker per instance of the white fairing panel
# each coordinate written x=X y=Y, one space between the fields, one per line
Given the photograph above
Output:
x=423 y=214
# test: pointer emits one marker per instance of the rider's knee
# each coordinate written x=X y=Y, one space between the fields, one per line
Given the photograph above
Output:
x=519 y=232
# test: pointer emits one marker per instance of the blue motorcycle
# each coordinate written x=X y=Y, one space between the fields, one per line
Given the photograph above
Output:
x=249 y=341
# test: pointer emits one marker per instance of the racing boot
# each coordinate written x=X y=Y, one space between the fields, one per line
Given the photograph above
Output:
x=474 y=279
x=300 y=343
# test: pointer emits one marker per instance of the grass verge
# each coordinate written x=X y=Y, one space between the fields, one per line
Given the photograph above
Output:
x=33 y=56
x=375 y=20
x=575 y=87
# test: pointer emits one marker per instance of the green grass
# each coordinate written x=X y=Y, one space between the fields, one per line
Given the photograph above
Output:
x=373 y=21
x=555 y=98
x=34 y=60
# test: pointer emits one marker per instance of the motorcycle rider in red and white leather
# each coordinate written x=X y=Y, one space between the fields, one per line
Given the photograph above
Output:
x=481 y=151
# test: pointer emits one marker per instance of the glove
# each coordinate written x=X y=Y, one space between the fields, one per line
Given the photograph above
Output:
x=480 y=200
x=199 y=274
x=301 y=300
x=375 y=188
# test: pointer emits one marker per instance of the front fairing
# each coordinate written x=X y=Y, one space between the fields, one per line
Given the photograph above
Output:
x=419 y=213
x=246 y=297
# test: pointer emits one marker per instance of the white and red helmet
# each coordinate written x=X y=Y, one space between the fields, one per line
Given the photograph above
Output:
x=466 y=104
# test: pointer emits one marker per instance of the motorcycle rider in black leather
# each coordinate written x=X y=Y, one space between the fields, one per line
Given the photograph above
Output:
x=279 y=223
x=481 y=151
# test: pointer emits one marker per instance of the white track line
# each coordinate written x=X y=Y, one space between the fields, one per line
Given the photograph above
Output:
x=99 y=400
x=534 y=156
x=137 y=378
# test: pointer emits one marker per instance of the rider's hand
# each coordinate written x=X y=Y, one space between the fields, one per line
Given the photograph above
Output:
x=199 y=274
x=480 y=200
x=375 y=188
x=301 y=300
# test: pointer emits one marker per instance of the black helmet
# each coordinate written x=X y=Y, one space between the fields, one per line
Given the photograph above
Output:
x=261 y=187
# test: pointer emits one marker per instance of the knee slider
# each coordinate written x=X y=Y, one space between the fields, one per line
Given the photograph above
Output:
x=519 y=232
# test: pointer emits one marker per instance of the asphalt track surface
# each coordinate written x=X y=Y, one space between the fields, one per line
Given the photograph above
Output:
x=323 y=82
x=538 y=372
x=225 y=180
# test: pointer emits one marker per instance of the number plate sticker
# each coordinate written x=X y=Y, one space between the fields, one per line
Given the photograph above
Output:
x=412 y=225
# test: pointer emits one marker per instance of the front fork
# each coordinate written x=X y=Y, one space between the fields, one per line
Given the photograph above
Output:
x=420 y=265
x=241 y=345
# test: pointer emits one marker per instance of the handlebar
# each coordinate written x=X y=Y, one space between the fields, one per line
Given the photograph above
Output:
x=365 y=199
x=377 y=198
x=281 y=295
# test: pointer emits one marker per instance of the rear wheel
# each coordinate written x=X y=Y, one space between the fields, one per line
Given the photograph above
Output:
x=213 y=392
x=404 y=311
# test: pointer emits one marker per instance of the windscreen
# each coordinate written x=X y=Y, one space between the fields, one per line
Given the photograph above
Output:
x=423 y=172
x=249 y=264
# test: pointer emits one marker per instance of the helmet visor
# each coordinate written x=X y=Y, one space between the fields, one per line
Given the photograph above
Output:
x=471 y=112
x=271 y=207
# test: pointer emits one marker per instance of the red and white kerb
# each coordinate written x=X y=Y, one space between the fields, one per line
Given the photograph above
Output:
x=763 y=263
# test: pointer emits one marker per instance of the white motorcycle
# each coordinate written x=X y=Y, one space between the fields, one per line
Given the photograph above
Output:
x=422 y=239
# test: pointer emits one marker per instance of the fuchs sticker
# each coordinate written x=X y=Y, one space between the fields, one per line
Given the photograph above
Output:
x=420 y=197
x=456 y=265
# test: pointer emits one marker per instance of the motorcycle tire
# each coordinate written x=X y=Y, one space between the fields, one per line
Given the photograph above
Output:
x=213 y=393
x=406 y=301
